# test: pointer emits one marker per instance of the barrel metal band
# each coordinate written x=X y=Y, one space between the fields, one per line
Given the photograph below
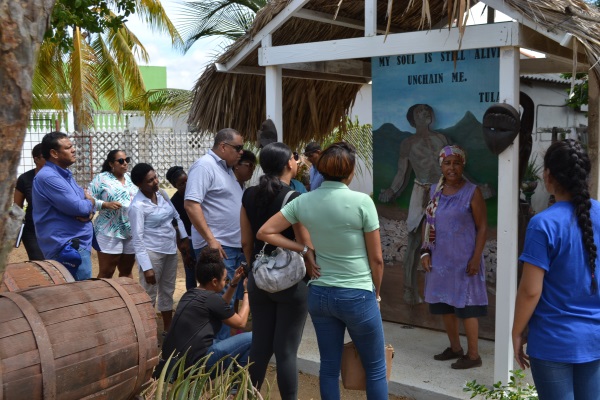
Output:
x=139 y=329
x=61 y=268
x=42 y=340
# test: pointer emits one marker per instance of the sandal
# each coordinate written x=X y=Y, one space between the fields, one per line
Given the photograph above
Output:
x=448 y=354
x=465 y=363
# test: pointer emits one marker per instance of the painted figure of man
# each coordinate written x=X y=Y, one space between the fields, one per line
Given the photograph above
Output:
x=313 y=152
x=418 y=153
x=62 y=210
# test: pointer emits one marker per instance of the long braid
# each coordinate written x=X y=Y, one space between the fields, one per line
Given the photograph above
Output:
x=568 y=163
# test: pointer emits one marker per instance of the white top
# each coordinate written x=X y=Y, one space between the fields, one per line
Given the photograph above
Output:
x=152 y=228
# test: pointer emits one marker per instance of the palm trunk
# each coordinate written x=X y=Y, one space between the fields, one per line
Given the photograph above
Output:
x=22 y=27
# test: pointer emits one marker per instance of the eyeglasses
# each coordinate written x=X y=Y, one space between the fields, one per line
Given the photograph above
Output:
x=123 y=160
x=236 y=147
x=296 y=156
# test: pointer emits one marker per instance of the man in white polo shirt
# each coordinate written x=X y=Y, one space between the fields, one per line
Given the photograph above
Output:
x=213 y=199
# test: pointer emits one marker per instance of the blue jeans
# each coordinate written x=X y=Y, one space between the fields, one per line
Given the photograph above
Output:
x=235 y=346
x=333 y=310
x=564 y=381
x=84 y=271
x=235 y=256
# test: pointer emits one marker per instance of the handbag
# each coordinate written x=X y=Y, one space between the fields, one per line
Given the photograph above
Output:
x=353 y=372
x=281 y=269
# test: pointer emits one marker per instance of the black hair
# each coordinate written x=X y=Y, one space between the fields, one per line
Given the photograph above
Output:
x=36 y=151
x=247 y=155
x=337 y=162
x=410 y=114
x=50 y=142
x=225 y=135
x=139 y=172
x=570 y=166
x=209 y=266
x=110 y=157
x=174 y=173
x=274 y=158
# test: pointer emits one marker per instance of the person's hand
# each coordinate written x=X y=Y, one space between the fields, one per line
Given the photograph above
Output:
x=150 y=277
x=473 y=266
x=245 y=284
x=88 y=196
x=214 y=244
x=185 y=248
x=238 y=275
x=111 y=205
x=386 y=195
x=519 y=341
x=85 y=219
x=426 y=262
x=312 y=269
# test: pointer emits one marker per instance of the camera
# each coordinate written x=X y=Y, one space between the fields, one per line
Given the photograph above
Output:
x=246 y=267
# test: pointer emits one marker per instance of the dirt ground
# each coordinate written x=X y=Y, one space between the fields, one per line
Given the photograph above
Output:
x=309 y=384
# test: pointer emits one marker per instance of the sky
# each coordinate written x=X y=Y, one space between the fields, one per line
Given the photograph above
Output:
x=182 y=69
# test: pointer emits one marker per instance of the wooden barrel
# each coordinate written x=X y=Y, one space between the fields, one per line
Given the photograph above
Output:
x=30 y=274
x=94 y=338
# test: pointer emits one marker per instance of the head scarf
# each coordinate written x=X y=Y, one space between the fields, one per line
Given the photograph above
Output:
x=429 y=237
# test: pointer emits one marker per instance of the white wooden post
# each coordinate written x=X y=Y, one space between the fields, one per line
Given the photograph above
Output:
x=508 y=207
x=274 y=92
x=370 y=17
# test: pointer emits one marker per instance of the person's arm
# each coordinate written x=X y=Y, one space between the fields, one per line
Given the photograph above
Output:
x=375 y=256
x=401 y=179
x=19 y=198
x=136 y=219
x=528 y=296
x=239 y=319
x=270 y=232
x=61 y=196
x=303 y=237
x=196 y=215
x=425 y=255
x=247 y=236
x=479 y=211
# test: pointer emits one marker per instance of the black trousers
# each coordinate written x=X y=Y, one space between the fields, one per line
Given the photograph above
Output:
x=277 y=325
x=29 y=239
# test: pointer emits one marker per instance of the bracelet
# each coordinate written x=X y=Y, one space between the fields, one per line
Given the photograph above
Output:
x=425 y=254
x=378 y=299
x=245 y=291
x=233 y=285
x=304 y=251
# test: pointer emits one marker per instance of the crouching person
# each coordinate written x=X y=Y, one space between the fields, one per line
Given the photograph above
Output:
x=201 y=313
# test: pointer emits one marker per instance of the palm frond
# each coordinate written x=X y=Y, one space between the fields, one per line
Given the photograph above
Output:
x=153 y=13
x=83 y=81
x=159 y=103
x=50 y=86
x=111 y=83
x=125 y=46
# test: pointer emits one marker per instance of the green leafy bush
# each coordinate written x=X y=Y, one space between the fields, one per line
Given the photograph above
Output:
x=516 y=389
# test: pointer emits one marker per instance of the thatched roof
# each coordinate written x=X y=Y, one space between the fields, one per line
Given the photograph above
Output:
x=313 y=108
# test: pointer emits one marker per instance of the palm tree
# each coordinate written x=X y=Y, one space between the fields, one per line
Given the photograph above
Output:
x=98 y=67
x=229 y=19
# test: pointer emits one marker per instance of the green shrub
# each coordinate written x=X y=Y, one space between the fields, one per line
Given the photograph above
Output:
x=516 y=389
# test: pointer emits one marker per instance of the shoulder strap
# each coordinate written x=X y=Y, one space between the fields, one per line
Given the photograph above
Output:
x=286 y=198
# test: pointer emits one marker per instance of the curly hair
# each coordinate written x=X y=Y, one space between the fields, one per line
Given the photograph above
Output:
x=209 y=266
x=568 y=163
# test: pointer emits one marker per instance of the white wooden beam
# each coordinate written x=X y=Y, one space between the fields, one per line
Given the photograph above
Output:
x=477 y=36
x=302 y=74
x=274 y=93
x=499 y=5
x=270 y=27
x=370 y=18
x=508 y=208
x=548 y=66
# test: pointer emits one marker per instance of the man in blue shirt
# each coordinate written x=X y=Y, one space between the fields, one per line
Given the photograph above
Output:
x=62 y=211
x=313 y=152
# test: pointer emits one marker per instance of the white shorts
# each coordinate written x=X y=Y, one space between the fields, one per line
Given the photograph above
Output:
x=114 y=245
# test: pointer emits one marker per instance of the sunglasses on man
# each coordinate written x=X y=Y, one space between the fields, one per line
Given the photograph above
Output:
x=237 y=148
x=123 y=160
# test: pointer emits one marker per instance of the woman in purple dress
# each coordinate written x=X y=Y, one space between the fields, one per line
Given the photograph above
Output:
x=454 y=237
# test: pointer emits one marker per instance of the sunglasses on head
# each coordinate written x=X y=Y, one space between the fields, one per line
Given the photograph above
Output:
x=296 y=156
x=123 y=160
x=237 y=148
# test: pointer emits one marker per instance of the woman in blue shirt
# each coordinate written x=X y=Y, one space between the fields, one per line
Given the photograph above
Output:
x=558 y=295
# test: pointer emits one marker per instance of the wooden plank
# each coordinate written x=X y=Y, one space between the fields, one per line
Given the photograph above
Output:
x=79 y=374
x=98 y=339
x=92 y=352
x=43 y=301
x=14 y=327
x=21 y=361
x=118 y=386
x=75 y=329
x=10 y=311
x=84 y=310
x=17 y=344
x=29 y=387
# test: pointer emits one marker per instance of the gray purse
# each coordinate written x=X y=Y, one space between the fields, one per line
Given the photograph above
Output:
x=281 y=269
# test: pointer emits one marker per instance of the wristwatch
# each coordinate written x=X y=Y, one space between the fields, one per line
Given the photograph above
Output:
x=304 y=250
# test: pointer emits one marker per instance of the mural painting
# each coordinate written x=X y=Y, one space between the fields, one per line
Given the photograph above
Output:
x=421 y=103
